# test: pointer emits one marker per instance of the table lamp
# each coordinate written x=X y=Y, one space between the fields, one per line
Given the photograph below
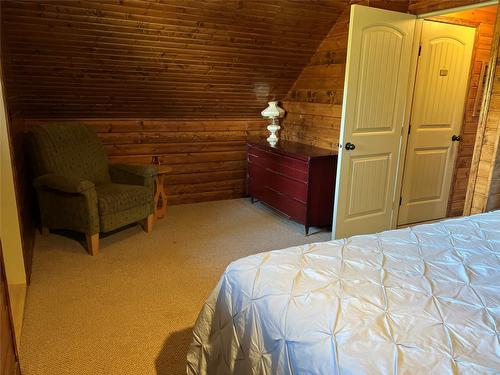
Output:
x=273 y=112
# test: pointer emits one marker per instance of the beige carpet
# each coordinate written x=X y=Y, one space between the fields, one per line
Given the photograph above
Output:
x=130 y=309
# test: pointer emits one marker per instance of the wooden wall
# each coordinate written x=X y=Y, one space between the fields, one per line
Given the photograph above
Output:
x=184 y=71
x=207 y=155
x=183 y=79
x=483 y=19
x=484 y=182
x=487 y=182
x=150 y=59
x=314 y=103
x=493 y=202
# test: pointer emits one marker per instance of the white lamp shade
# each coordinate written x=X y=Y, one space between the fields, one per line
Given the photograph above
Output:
x=273 y=111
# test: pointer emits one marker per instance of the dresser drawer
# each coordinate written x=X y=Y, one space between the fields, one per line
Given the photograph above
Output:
x=292 y=208
x=295 y=179
x=285 y=185
x=296 y=169
x=280 y=159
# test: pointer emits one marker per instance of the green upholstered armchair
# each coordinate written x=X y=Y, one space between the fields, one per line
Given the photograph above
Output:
x=78 y=190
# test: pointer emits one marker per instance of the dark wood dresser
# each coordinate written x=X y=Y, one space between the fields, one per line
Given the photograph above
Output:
x=296 y=179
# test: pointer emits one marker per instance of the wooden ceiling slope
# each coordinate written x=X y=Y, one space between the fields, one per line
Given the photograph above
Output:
x=175 y=58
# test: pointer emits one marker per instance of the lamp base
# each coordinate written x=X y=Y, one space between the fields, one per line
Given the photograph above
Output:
x=273 y=138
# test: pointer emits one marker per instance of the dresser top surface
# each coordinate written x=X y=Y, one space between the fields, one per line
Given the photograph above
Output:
x=295 y=149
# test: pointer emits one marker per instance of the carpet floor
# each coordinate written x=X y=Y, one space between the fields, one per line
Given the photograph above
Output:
x=130 y=310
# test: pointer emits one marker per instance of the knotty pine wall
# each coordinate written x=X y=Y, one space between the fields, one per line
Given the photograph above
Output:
x=207 y=156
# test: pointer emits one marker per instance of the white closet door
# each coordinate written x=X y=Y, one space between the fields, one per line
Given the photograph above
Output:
x=375 y=103
x=436 y=119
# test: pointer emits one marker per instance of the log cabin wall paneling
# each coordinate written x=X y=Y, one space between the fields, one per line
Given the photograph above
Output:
x=483 y=19
x=493 y=202
x=207 y=155
x=150 y=59
x=185 y=80
x=486 y=195
x=314 y=103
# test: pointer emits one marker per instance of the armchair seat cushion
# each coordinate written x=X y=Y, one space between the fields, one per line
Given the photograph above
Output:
x=112 y=198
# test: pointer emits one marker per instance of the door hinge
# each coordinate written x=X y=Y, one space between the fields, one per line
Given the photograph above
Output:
x=400 y=200
x=419 y=50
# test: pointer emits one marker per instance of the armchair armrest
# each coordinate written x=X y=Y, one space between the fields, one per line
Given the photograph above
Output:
x=64 y=184
x=133 y=174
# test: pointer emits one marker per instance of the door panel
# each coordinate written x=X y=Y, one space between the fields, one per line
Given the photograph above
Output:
x=439 y=99
x=374 y=108
x=428 y=164
x=368 y=185
x=381 y=46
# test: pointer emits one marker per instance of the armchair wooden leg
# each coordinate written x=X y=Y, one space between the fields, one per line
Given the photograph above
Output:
x=92 y=243
x=147 y=223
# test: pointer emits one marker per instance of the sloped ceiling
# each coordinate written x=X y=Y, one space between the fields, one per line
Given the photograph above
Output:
x=175 y=58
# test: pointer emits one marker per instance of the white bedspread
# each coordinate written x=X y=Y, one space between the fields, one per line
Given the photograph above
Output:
x=419 y=300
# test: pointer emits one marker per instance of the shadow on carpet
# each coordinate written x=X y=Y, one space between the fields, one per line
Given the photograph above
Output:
x=172 y=358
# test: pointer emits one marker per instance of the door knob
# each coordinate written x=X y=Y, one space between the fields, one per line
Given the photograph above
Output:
x=456 y=138
x=349 y=146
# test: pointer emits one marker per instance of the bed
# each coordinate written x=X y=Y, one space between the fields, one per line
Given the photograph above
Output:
x=418 y=300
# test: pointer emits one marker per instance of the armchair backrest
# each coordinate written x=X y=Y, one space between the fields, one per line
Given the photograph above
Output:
x=69 y=150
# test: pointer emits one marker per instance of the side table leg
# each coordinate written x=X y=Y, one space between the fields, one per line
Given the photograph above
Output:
x=157 y=196
x=161 y=207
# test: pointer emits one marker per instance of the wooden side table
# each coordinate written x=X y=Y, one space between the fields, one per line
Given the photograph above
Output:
x=160 y=194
